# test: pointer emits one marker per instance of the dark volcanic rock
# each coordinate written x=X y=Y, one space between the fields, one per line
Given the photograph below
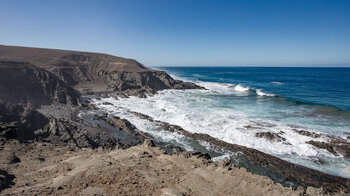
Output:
x=95 y=72
x=35 y=77
x=323 y=145
x=307 y=133
x=134 y=83
x=22 y=83
x=18 y=122
x=197 y=154
x=292 y=173
x=125 y=126
x=27 y=125
x=270 y=136
x=335 y=146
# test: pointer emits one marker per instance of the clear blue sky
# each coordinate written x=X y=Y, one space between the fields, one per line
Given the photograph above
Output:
x=186 y=32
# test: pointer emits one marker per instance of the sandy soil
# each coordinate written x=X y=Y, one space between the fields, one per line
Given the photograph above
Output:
x=141 y=170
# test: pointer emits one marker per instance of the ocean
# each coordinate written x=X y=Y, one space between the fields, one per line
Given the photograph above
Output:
x=241 y=102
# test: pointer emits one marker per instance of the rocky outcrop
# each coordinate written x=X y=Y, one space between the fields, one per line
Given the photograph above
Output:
x=133 y=83
x=31 y=78
x=273 y=137
x=95 y=72
x=25 y=124
x=307 y=133
x=287 y=173
x=18 y=122
x=25 y=84
x=334 y=146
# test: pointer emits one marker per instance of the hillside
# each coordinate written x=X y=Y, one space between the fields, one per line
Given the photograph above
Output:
x=93 y=72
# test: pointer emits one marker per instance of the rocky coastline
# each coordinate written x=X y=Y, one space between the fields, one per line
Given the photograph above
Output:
x=45 y=122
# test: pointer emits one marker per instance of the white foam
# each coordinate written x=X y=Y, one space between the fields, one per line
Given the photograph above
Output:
x=240 y=88
x=260 y=93
x=199 y=111
x=278 y=83
x=227 y=88
x=186 y=109
x=224 y=88
x=220 y=158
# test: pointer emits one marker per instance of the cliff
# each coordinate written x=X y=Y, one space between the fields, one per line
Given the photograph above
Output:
x=93 y=72
x=26 y=84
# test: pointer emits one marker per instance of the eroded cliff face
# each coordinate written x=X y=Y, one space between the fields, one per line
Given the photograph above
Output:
x=149 y=82
x=33 y=78
x=95 y=72
x=28 y=85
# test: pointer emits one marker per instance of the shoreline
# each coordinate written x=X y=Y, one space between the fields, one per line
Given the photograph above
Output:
x=48 y=127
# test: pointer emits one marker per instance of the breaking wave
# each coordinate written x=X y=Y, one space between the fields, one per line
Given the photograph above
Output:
x=227 y=88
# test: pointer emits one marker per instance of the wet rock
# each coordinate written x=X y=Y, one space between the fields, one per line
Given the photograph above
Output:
x=342 y=147
x=294 y=175
x=105 y=95
x=197 y=154
x=103 y=116
x=270 y=136
x=91 y=107
x=142 y=95
x=323 y=145
x=307 y=133
x=317 y=160
x=335 y=146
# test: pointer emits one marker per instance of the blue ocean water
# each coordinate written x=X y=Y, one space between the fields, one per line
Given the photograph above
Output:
x=322 y=86
x=321 y=93
x=280 y=99
x=240 y=103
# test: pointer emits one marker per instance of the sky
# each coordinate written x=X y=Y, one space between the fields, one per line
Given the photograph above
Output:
x=187 y=32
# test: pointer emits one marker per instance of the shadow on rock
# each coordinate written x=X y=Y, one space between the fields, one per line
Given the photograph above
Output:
x=6 y=180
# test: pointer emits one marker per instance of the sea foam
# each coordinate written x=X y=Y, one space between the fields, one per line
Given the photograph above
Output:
x=228 y=119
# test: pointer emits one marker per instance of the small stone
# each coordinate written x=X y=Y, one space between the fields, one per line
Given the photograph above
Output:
x=12 y=159
x=168 y=191
x=225 y=162
x=149 y=143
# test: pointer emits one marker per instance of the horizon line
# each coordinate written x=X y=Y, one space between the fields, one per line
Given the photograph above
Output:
x=272 y=66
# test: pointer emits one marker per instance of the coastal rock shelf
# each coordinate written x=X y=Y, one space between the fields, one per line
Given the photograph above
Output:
x=55 y=139
x=258 y=162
